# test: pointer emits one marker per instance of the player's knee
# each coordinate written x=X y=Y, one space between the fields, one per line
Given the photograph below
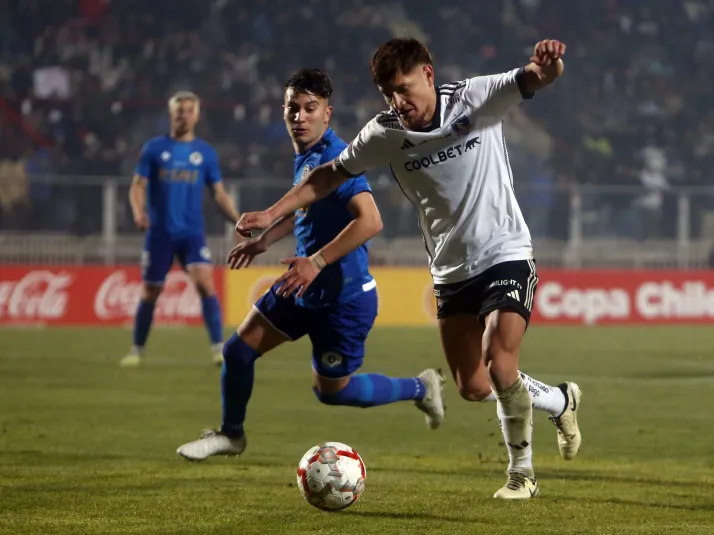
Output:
x=237 y=352
x=205 y=288
x=330 y=391
x=151 y=292
x=472 y=391
x=327 y=398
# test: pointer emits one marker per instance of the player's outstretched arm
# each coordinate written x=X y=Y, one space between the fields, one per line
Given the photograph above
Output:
x=225 y=202
x=137 y=200
x=318 y=184
x=243 y=254
x=546 y=65
x=367 y=223
x=278 y=230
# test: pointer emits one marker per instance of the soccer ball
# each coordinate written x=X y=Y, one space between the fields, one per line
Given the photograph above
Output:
x=331 y=476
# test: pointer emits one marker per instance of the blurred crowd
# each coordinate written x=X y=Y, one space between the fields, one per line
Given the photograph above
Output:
x=83 y=83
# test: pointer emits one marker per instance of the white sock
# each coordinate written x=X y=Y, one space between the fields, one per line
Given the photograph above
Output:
x=544 y=397
x=217 y=348
x=137 y=350
x=515 y=413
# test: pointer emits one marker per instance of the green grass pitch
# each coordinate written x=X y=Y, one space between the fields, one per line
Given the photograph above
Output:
x=87 y=447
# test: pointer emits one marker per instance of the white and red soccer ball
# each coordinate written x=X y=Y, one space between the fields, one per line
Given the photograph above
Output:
x=331 y=476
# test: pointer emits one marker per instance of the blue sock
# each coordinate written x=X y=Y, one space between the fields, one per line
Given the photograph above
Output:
x=371 y=389
x=236 y=383
x=212 y=318
x=142 y=322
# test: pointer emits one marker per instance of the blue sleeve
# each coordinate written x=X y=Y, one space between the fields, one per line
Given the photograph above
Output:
x=212 y=167
x=350 y=188
x=143 y=166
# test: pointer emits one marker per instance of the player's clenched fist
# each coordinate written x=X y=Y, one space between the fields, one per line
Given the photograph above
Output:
x=253 y=221
x=547 y=51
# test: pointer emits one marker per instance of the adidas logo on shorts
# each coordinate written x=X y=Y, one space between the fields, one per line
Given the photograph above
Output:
x=515 y=294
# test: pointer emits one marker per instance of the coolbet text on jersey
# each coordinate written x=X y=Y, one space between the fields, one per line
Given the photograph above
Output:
x=177 y=173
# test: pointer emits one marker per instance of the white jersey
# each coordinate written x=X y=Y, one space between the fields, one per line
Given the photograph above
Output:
x=456 y=175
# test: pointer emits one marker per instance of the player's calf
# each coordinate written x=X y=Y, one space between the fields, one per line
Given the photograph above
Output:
x=501 y=342
x=142 y=323
x=236 y=383
x=369 y=390
x=202 y=276
x=236 y=388
x=372 y=390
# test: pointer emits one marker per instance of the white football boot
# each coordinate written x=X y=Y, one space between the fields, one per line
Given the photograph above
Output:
x=212 y=443
x=132 y=360
x=433 y=402
x=518 y=487
x=569 y=437
x=217 y=354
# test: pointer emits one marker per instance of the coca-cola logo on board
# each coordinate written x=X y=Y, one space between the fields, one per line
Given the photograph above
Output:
x=40 y=294
x=118 y=297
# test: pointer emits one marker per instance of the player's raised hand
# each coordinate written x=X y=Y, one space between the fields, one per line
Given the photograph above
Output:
x=298 y=277
x=547 y=52
x=250 y=221
x=242 y=255
x=142 y=221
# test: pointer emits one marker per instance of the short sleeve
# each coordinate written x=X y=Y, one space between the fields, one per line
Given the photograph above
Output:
x=212 y=166
x=494 y=95
x=352 y=187
x=367 y=151
x=143 y=166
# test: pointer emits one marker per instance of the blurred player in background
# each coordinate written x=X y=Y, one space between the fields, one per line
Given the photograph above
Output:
x=446 y=148
x=327 y=293
x=166 y=199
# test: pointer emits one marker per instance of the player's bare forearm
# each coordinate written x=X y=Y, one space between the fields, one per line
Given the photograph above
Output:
x=278 y=230
x=357 y=232
x=546 y=65
x=365 y=226
x=318 y=184
x=137 y=197
x=225 y=203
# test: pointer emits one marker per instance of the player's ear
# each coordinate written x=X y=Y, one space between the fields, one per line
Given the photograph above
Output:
x=429 y=74
x=328 y=113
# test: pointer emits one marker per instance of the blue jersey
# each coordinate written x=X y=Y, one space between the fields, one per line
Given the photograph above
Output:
x=177 y=172
x=319 y=224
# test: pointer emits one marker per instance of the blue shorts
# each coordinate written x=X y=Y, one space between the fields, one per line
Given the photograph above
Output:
x=159 y=254
x=337 y=332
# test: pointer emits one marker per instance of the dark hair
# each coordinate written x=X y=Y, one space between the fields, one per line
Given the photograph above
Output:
x=312 y=81
x=397 y=56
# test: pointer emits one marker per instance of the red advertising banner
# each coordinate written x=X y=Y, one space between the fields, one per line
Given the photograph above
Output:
x=92 y=295
x=592 y=297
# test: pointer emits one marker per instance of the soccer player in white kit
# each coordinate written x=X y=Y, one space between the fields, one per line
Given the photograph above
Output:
x=446 y=148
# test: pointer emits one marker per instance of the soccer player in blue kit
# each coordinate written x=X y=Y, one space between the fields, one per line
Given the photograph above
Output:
x=327 y=292
x=170 y=178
